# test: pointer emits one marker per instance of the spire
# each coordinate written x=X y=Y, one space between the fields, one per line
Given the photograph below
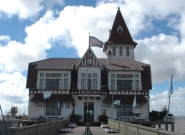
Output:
x=119 y=33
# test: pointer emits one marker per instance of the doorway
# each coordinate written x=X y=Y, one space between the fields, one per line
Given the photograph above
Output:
x=89 y=113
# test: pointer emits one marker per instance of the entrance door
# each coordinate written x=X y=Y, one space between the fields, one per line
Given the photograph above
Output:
x=89 y=114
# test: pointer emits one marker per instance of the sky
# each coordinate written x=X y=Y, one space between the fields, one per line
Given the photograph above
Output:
x=40 y=29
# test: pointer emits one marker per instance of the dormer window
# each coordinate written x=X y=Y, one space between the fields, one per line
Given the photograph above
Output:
x=119 y=30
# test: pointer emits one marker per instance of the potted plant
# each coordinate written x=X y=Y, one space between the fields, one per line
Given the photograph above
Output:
x=75 y=118
x=103 y=118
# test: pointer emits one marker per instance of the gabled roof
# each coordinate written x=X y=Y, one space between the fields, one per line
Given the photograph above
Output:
x=69 y=64
x=118 y=64
x=119 y=37
x=85 y=55
x=57 y=63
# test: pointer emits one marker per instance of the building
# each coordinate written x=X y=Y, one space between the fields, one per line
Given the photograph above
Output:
x=74 y=82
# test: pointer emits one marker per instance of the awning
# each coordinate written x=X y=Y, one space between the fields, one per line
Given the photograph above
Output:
x=125 y=98
x=53 y=97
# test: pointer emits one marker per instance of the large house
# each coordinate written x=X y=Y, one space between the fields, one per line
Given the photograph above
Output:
x=78 y=83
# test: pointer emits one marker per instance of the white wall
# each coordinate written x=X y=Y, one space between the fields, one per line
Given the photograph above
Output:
x=88 y=70
x=124 y=56
x=34 y=110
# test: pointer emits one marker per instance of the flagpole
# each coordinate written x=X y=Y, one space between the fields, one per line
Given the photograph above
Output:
x=3 y=120
x=89 y=39
x=169 y=96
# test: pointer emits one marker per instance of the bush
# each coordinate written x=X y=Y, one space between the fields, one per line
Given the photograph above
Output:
x=103 y=118
x=75 y=117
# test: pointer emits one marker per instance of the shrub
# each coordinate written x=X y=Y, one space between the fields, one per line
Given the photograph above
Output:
x=75 y=117
x=103 y=118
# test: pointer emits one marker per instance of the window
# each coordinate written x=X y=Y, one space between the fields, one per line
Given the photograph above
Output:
x=124 y=76
x=89 y=61
x=53 y=81
x=120 y=51
x=83 y=75
x=112 y=84
x=124 y=110
x=114 y=50
x=127 y=51
x=65 y=75
x=52 y=109
x=66 y=84
x=60 y=83
x=119 y=30
x=124 y=84
x=136 y=84
x=94 y=84
x=83 y=84
x=52 y=84
x=90 y=81
x=41 y=84
x=41 y=74
x=112 y=75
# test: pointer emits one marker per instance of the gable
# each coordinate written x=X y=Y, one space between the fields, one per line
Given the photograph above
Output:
x=89 y=60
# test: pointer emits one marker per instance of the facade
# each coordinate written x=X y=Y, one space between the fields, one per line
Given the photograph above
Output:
x=76 y=83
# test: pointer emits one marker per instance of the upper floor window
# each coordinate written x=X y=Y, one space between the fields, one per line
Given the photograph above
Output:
x=53 y=81
x=127 y=51
x=91 y=81
x=119 y=30
x=124 y=82
x=114 y=51
x=120 y=51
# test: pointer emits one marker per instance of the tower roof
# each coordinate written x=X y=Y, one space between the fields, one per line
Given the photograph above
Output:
x=119 y=33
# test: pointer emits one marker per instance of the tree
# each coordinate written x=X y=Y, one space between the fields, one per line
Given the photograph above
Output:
x=14 y=110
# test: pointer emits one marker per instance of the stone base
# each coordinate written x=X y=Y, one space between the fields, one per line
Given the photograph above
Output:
x=111 y=130
x=104 y=125
x=64 y=129
x=71 y=125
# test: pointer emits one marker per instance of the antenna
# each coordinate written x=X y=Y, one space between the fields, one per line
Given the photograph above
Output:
x=118 y=4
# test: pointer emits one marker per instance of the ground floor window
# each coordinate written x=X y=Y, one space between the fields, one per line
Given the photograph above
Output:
x=52 y=109
x=124 y=110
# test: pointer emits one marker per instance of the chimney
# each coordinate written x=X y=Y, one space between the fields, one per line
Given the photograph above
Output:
x=109 y=57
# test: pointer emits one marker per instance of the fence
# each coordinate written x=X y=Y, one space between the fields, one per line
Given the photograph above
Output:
x=137 y=129
x=48 y=128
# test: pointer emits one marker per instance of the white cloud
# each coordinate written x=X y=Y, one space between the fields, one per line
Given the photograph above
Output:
x=159 y=100
x=4 y=38
x=165 y=55
x=13 y=91
x=26 y=8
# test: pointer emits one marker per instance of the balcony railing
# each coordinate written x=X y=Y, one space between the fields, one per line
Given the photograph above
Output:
x=91 y=92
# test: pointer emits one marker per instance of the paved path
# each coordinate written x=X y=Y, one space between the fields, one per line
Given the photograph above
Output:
x=79 y=130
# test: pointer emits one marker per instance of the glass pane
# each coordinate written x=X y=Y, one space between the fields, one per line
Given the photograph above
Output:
x=65 y=75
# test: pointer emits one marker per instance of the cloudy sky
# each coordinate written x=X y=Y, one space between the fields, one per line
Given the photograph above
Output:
x=40 y=29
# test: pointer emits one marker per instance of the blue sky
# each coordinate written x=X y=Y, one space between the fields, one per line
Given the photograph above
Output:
x=39 y=29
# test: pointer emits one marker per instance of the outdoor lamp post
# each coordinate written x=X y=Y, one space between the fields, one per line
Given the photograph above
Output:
x=104 y=111
x=112 y=104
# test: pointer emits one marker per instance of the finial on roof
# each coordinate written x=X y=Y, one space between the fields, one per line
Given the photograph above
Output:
x=118 y=8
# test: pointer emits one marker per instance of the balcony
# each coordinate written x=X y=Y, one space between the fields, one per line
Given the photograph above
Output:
x=90 y=92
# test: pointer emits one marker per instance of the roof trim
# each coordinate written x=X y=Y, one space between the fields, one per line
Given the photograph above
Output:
x=89 y=49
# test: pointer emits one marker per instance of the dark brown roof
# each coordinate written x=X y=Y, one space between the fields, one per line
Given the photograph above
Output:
x=125 y=98
x=32 y=76
x=122 y=38
x=69 y=64
x=57 y=63
x=123 y=64
x=53 y=97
